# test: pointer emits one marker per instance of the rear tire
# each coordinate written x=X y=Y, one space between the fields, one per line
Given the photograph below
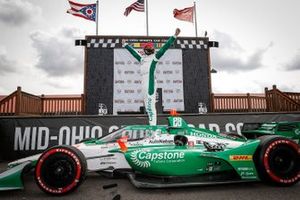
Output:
x=277 y=160
x=60 y=170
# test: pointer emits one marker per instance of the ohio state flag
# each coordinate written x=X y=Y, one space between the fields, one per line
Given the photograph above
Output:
x=86 y=11
x=185 y=14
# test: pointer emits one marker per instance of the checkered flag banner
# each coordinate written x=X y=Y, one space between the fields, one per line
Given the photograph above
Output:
x=191 y=44
x=181 y=43
x=104 y=43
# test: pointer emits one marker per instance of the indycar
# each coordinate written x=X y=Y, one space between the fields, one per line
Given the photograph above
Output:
x=173 y=155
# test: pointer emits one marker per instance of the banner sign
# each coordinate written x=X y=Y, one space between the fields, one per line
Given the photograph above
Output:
x=21 y=137
x=128 y=94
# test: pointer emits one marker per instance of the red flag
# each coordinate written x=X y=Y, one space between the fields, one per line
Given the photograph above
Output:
x=185 y=14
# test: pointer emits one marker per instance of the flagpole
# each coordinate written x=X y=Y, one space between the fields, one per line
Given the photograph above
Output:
x=97 y=14
x=195 y=19
x=147 y=28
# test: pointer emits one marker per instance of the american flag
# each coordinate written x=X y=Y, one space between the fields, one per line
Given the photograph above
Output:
x=137 y=6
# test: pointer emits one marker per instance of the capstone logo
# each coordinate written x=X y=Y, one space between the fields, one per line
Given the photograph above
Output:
x=143 y=159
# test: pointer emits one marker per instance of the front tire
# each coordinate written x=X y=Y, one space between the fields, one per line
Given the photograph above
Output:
x=277 y=160
x=60 y=170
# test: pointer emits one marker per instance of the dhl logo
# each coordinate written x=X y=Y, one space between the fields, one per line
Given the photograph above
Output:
x=240 y=157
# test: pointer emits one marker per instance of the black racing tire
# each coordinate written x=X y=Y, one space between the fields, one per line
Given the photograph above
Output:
x=277 y=160
x=60 y=170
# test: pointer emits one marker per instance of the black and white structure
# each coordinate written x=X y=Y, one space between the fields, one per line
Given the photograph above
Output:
x=112 y=76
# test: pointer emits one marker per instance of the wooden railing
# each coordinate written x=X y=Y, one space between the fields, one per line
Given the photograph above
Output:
x=278 y=101
x=62 y=105
x=238 y=103
x=22 y=103
x=8 y=104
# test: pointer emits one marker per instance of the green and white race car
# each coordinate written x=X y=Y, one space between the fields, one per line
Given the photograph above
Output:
x=172 y=155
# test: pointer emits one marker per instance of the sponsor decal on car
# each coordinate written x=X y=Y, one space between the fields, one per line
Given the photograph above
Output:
x=202 y=134
x=143 y=159
x=247 y=172
x=163 y=141
x=240 y=157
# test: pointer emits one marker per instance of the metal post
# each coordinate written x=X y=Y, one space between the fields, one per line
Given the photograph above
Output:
x=195 y=19
x=97 y=16
x=147 y=28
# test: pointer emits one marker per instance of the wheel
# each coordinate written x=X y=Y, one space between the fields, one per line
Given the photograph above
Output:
x=60 y=170
x=277 y=160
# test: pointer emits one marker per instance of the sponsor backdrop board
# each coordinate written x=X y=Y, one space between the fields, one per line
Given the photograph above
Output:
x=20 y=137
x=128 y=94
x=112 y=76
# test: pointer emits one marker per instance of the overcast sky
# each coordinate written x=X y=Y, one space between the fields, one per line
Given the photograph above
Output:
x=259 y=41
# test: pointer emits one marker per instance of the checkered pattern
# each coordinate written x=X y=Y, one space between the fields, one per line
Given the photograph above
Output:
x=116 y=43
x=190 y=44
x=103 y=43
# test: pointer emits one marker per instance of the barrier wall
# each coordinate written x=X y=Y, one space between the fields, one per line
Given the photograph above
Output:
x=24 y=136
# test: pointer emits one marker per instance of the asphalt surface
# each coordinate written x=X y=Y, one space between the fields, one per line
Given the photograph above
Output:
x=92 y=188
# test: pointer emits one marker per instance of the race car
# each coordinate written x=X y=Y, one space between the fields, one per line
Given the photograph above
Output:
x=173 y=155
x=287 y=129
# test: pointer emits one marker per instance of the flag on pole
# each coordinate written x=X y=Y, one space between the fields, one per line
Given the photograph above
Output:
x=137 y=6
x=185 y=14
x=86 y=11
